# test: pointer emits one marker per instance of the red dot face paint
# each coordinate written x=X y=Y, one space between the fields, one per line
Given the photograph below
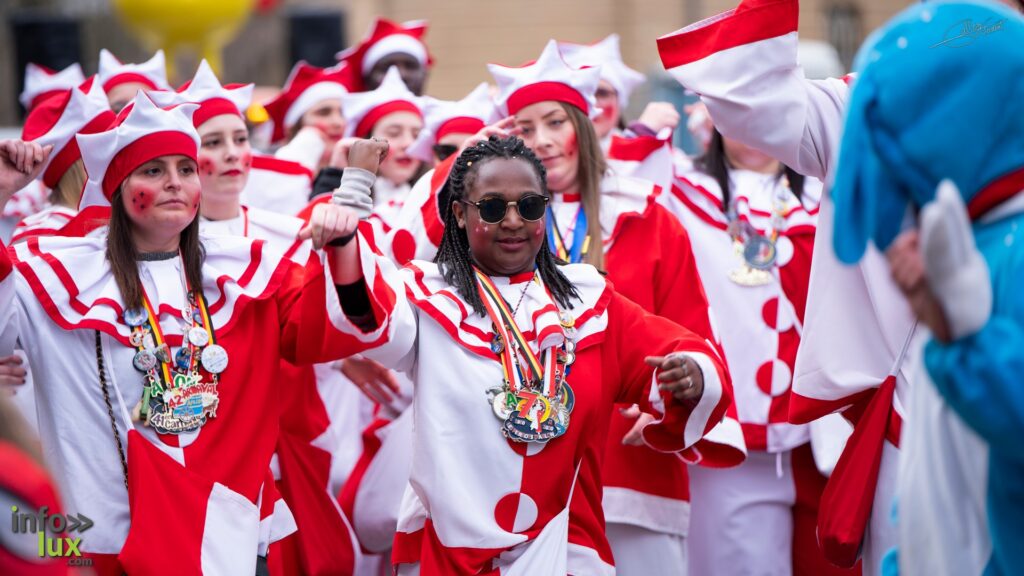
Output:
x=206 y=165
x=141 y=197
x=247 y=160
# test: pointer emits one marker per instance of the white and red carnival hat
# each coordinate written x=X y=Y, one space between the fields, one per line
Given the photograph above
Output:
x=363 y=109
x=608 y=56
x=143 y=131
x=306 y=86
x=59 y=119
x=550 y=77
x=42 y=82
x=443 y=117
x=206 y=90
x=112 y=72
x=385 y=38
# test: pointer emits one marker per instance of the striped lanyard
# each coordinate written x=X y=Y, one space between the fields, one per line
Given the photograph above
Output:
x=520 y=364
x=580 y=238
x=160 y=377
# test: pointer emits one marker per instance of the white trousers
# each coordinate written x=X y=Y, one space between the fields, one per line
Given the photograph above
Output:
x=741 y=519
x=642 y=552
x=882 y=534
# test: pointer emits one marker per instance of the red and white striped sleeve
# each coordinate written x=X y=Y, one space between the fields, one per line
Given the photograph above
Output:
x=743 y=64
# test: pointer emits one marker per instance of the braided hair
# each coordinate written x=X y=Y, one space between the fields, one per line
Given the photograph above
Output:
x=454 y=259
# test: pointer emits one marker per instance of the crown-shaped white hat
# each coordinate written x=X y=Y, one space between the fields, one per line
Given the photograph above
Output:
x=305 y=88
x=41 y=82
x=443 y=117
x=152 y=72
x=206 y=90
x=608 y=56
x=56 y=122
x=363 y=109
x=550 y=77
x=384 y=38
x=144 y=131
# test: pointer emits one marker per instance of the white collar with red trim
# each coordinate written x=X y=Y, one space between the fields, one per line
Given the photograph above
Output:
x=279 y=230
x=71 y=278
x=46 y=222
x=753 y=198
x=537 y=315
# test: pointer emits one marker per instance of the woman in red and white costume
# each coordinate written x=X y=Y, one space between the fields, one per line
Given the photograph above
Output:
x=373 y=495
x=56 y=122
x=319 y=420
x=477 y=501
x=615 y=223
x=123 y=81
x=744 y=66
x=306 y=118
x=89 y=311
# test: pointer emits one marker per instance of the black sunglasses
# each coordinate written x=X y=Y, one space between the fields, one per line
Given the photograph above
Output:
x=443 y=151
x=492 y=210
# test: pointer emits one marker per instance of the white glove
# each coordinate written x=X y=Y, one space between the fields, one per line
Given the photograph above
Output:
x=956 y=271
x=355 y=191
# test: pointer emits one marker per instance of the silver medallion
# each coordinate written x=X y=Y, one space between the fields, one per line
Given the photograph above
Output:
x=214 y=358
x=135 y=317
x=759 y=252
x=198 y=336
x=144 y=361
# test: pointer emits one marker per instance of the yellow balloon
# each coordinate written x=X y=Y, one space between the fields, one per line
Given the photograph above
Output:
x=173 y=24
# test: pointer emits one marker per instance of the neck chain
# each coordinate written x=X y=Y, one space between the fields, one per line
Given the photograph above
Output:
x=521 y=297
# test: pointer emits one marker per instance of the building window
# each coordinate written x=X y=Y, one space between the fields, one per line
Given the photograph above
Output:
x=845 y=31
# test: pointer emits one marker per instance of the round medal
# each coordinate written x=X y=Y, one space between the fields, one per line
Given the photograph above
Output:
x=144 y=361
x=566 y=319
x=198 y=336
x=136 y=338
x=214 y=358
x=135 y=317
x=759 y=252
x=182 y=359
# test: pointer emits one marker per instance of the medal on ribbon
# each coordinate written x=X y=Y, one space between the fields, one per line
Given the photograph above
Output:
x=759 y=251
x=535 y=401
x=180 y=389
